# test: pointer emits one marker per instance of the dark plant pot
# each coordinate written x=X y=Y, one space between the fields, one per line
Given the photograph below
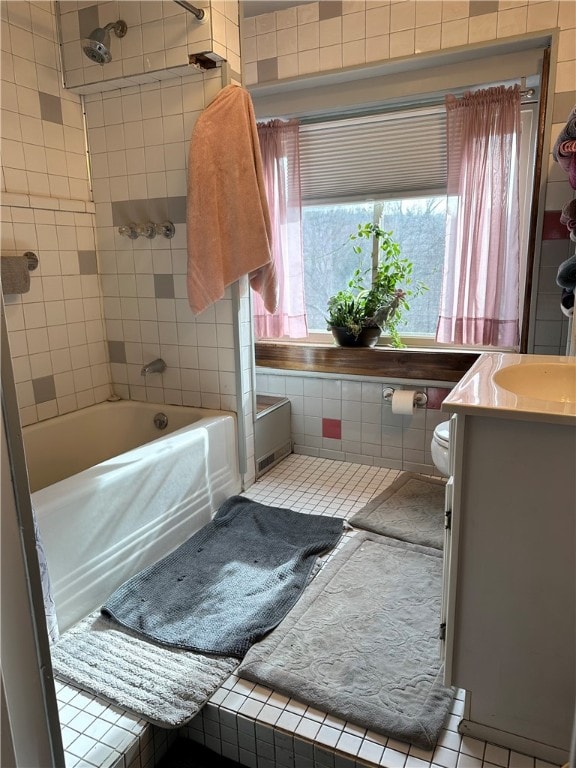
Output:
x=368 y=337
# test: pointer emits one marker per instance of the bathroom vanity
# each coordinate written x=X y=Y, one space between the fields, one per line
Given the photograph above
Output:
x=510 y=571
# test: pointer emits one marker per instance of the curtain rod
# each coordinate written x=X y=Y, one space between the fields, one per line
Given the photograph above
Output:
x=198 y=12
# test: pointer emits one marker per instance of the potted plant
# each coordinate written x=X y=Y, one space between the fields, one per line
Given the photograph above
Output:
x=358 y=314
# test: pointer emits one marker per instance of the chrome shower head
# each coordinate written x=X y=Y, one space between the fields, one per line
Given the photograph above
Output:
x=97 y=45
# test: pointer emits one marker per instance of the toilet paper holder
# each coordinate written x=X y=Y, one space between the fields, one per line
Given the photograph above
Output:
x=420 y=398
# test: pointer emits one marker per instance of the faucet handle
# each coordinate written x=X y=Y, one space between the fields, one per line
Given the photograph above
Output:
x=128 y=230
x=166 y=229
x=146 y=230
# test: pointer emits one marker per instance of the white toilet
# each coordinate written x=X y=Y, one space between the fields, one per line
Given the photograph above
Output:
x=439 y=447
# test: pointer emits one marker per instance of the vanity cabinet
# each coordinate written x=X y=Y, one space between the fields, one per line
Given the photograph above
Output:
x=510 y=578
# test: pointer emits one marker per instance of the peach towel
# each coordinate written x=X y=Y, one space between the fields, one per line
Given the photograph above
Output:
x=228 y=221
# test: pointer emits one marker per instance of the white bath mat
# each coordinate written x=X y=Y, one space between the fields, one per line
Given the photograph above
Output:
x=166 y=686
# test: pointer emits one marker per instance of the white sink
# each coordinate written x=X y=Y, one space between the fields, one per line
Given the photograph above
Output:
x=539 y=381
x=514 y=386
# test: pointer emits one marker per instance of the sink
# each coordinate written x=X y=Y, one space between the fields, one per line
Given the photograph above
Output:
x=539 y=381
x=508 y=385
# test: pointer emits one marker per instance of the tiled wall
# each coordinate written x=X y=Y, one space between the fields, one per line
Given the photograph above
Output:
x=159 y=39
x=334 y=34
x=349 y=420
x=56 y=330
x=101 y=305
x=556 y=248
x=138 y=138
x=43 y=146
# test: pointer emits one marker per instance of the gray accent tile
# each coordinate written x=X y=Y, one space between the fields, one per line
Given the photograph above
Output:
x=44 y=389
x=563 y=103
x=88 y=20
x=50 y=108
x=267 y=69
x=87 y=262
x=164 y=286
x=329 y=9
x=156 y=209
x=122 y=212
x=117 y=351
x=236 y=76
x=480 y=7
x=177 y=209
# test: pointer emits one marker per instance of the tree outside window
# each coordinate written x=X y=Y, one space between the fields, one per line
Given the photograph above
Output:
x=418 y=225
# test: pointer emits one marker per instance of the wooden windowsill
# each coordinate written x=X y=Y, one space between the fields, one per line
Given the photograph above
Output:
x=425 y=364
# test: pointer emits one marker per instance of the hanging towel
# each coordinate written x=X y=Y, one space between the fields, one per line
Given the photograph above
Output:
x=566 y=134
x=567 y=302
x=566 y=277
x=568 y=215
x=15 y=274
x=228 y=221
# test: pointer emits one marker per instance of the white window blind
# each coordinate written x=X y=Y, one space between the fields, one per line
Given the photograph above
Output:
x=400 y=154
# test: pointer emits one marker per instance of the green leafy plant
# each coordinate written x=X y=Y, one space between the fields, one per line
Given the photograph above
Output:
x=382 y=302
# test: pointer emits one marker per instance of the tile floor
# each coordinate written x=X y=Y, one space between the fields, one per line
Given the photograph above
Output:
x=258 y=727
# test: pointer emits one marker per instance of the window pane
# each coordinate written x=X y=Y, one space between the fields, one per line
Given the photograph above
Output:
x=418 y=225
x=328 y=256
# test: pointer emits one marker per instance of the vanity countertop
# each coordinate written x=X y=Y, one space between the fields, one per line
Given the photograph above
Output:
x=513 y=386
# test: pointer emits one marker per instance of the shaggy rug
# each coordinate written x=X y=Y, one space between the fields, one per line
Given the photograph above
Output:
x=166 y=686
x=411 y=509
x=362 y=642
x=230 y=583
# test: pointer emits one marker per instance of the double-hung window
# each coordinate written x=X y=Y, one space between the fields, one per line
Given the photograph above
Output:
x=389 y=169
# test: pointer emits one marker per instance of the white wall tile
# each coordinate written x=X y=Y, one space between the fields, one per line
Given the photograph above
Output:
x=512 y=21
x=454 y=33
x=427 y=38
x=402 y=43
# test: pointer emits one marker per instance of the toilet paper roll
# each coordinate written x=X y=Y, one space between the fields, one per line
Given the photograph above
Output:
x=403 y=402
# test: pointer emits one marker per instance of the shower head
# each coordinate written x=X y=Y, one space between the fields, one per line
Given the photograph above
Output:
x=97 y=45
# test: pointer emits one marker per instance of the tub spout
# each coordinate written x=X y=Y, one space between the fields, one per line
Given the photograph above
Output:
x=156 y=366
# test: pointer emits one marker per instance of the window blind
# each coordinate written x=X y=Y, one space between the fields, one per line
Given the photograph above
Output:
x=399 y=154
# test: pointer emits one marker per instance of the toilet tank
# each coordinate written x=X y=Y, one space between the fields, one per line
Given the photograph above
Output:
x=272 y=436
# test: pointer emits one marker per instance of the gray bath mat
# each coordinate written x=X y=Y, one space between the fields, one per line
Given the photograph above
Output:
x=230 y=583
x=411 y=509
x=166 y=686
x=362 y=642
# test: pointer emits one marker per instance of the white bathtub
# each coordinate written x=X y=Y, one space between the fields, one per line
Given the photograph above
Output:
x=113 y=494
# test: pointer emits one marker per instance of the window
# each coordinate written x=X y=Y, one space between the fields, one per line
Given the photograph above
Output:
x=343 y=112
x=389 y=169
x=418 y=225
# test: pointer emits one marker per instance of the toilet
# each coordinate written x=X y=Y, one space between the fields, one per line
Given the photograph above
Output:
x=439 y=447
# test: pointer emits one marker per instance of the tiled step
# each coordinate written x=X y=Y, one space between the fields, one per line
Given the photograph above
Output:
x=257 y=727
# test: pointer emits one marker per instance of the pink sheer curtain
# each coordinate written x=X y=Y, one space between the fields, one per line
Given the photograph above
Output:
x=479 y=303
x=280 y=147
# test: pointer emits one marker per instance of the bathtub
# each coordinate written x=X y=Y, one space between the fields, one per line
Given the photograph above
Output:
x=113 y=493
